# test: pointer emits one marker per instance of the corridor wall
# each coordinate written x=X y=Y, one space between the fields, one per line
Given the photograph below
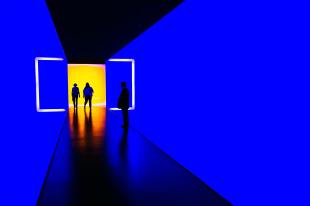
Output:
x=223 y=88
x=28 y=138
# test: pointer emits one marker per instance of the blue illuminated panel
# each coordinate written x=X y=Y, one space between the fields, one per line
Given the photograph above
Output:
x=223 y=87
x=28 y=137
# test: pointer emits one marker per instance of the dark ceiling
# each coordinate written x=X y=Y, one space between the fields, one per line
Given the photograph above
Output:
x=91 y=31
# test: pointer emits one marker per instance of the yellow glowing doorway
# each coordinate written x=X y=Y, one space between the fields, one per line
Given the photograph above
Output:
x=95 y=75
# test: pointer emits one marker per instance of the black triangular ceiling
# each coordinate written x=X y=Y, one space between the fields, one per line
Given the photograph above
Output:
x=91 y=31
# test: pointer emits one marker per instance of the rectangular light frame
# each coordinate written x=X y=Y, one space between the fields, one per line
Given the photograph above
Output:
x=133 y=88
x=37 y=59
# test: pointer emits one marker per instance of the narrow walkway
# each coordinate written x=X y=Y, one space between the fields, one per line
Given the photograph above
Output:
x=96 y=162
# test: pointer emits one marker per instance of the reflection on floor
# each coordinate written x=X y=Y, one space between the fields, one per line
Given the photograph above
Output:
x=98 y=163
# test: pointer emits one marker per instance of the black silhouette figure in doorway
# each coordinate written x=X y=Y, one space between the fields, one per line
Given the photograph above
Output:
x=75 y=93
x=123 y=104
x=88 y=94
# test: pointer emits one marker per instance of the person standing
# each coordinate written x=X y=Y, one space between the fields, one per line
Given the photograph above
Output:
x=75 y=93
x=123 y=104
x=88 y=94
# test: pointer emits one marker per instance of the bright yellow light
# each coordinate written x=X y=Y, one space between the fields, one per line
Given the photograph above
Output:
x=94 y=75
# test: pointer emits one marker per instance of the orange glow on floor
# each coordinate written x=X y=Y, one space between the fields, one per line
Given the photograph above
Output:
x=88 y=126
x=95 y=75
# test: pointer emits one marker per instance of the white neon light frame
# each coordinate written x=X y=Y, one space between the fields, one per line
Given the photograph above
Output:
x=133 y=88
x=37 y=59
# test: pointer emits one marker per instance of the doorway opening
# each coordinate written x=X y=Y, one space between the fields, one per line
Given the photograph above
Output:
x=95 y=75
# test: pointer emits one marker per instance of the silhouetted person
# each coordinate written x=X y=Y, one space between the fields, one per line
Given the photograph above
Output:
x=88 y=94
x=75 y=95
x=123 y=104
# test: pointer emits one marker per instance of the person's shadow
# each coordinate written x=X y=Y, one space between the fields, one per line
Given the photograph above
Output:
x=75 y=123
x=124 y=144
x=88 y=124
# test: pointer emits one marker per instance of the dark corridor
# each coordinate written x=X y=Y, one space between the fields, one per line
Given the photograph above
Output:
x=96 y=162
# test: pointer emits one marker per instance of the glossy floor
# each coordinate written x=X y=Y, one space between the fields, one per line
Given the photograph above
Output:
x=96 y=162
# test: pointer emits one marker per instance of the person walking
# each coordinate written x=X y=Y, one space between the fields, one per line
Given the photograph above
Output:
x=88 y=94
x=75 y=93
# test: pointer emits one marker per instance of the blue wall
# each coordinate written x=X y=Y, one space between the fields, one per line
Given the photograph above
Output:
x=27 y=138
x=223 y=87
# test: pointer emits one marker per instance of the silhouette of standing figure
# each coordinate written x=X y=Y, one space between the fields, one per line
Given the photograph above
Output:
x=88 y=94
x=75 y=95
x=123 y=104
